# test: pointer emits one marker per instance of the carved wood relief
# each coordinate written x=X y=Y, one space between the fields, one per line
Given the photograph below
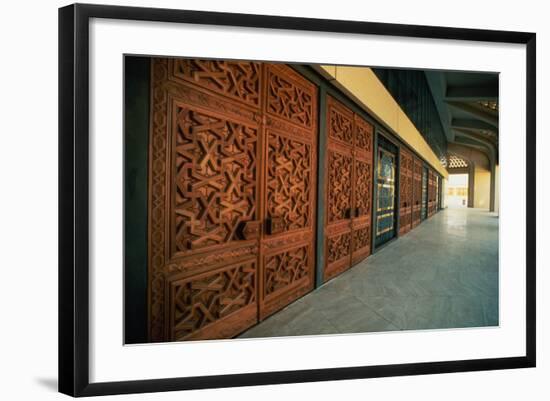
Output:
x=290 y=97
x=290 y=117
x=348 y=188
x=229 y=150
x=431 y=193
x=199 y=301
x=237 y=80
x=289 y=179
x=285 y=268
x=362 y=189
x=215 y=178
x=417 y=192
x=405 y=191
x=232 y=194
x=339 y=179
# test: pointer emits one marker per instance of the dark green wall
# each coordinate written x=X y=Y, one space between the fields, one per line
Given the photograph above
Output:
x=411 y=91
x=136 y=131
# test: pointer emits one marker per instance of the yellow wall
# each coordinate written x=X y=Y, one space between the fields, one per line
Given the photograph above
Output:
x=482 y=188
x=364 y=87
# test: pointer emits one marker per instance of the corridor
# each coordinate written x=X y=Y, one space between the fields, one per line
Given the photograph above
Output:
x=444 y=274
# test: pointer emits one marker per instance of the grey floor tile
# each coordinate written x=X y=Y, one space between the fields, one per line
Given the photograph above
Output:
x=443 y=274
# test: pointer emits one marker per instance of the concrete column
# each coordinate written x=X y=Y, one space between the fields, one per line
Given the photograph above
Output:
x=471 y=183
x=493 y=187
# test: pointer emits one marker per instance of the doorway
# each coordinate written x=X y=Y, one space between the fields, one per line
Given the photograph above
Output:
x=457 y=191
x=385 y=194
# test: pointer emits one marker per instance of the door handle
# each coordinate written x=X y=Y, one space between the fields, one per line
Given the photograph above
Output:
x=249 y=229
x=274 y=225
x=348 y=213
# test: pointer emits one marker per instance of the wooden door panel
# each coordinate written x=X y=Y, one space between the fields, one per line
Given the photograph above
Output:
x=232 y=151
x=339 y=195
x=216 y=304
x=338 y=191
x=290 y=118
x=339 y=209
x=417 y=192
x=215 y=183
x=235 y=80
x=337 y=251
x=405 y=191
x=362 y=190
x=348 y=189
x=431 y=193
x=287 y=274
x=203 y=187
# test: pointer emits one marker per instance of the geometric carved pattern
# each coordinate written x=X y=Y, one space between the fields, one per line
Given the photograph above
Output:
x=341 y=126
x=405 y=191
x=338 y=247
x=289 y=109
x=201 y=301
x=215 y=177
x=363 y=185
x=157 y=200
x=238 y=80
x=233 y=145
x=348 y=188
x=285 y=268
x=227 y=152
x=362 y=189
x=432 y=192
x=339 y=182
x=363 y=136
x=417 y=192
x=289 y=181
x=289 y=100
x=361 y=238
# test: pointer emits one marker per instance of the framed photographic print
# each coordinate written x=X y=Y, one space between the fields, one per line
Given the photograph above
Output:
x=251 y=199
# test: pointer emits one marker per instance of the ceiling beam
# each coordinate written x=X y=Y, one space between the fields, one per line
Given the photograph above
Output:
x=472 y=93
x=474 y=140
x=472 y=124
x=489 y=118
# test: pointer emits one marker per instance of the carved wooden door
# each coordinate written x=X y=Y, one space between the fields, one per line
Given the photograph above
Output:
x=431 y=192
x=405 y=191
x=290 y=125
x=417 y=192
x=208 y=195
x=348 y=192
x=362 y=190
x=339 y=188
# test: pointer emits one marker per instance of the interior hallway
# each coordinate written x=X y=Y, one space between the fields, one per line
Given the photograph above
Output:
x=443 y=274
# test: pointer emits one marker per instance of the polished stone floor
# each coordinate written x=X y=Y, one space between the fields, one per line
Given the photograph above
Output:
x=443 y=274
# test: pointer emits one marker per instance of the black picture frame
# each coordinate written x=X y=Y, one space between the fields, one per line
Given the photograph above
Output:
x=74 y=198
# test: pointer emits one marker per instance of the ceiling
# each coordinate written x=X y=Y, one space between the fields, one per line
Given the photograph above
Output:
x=467 y=103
